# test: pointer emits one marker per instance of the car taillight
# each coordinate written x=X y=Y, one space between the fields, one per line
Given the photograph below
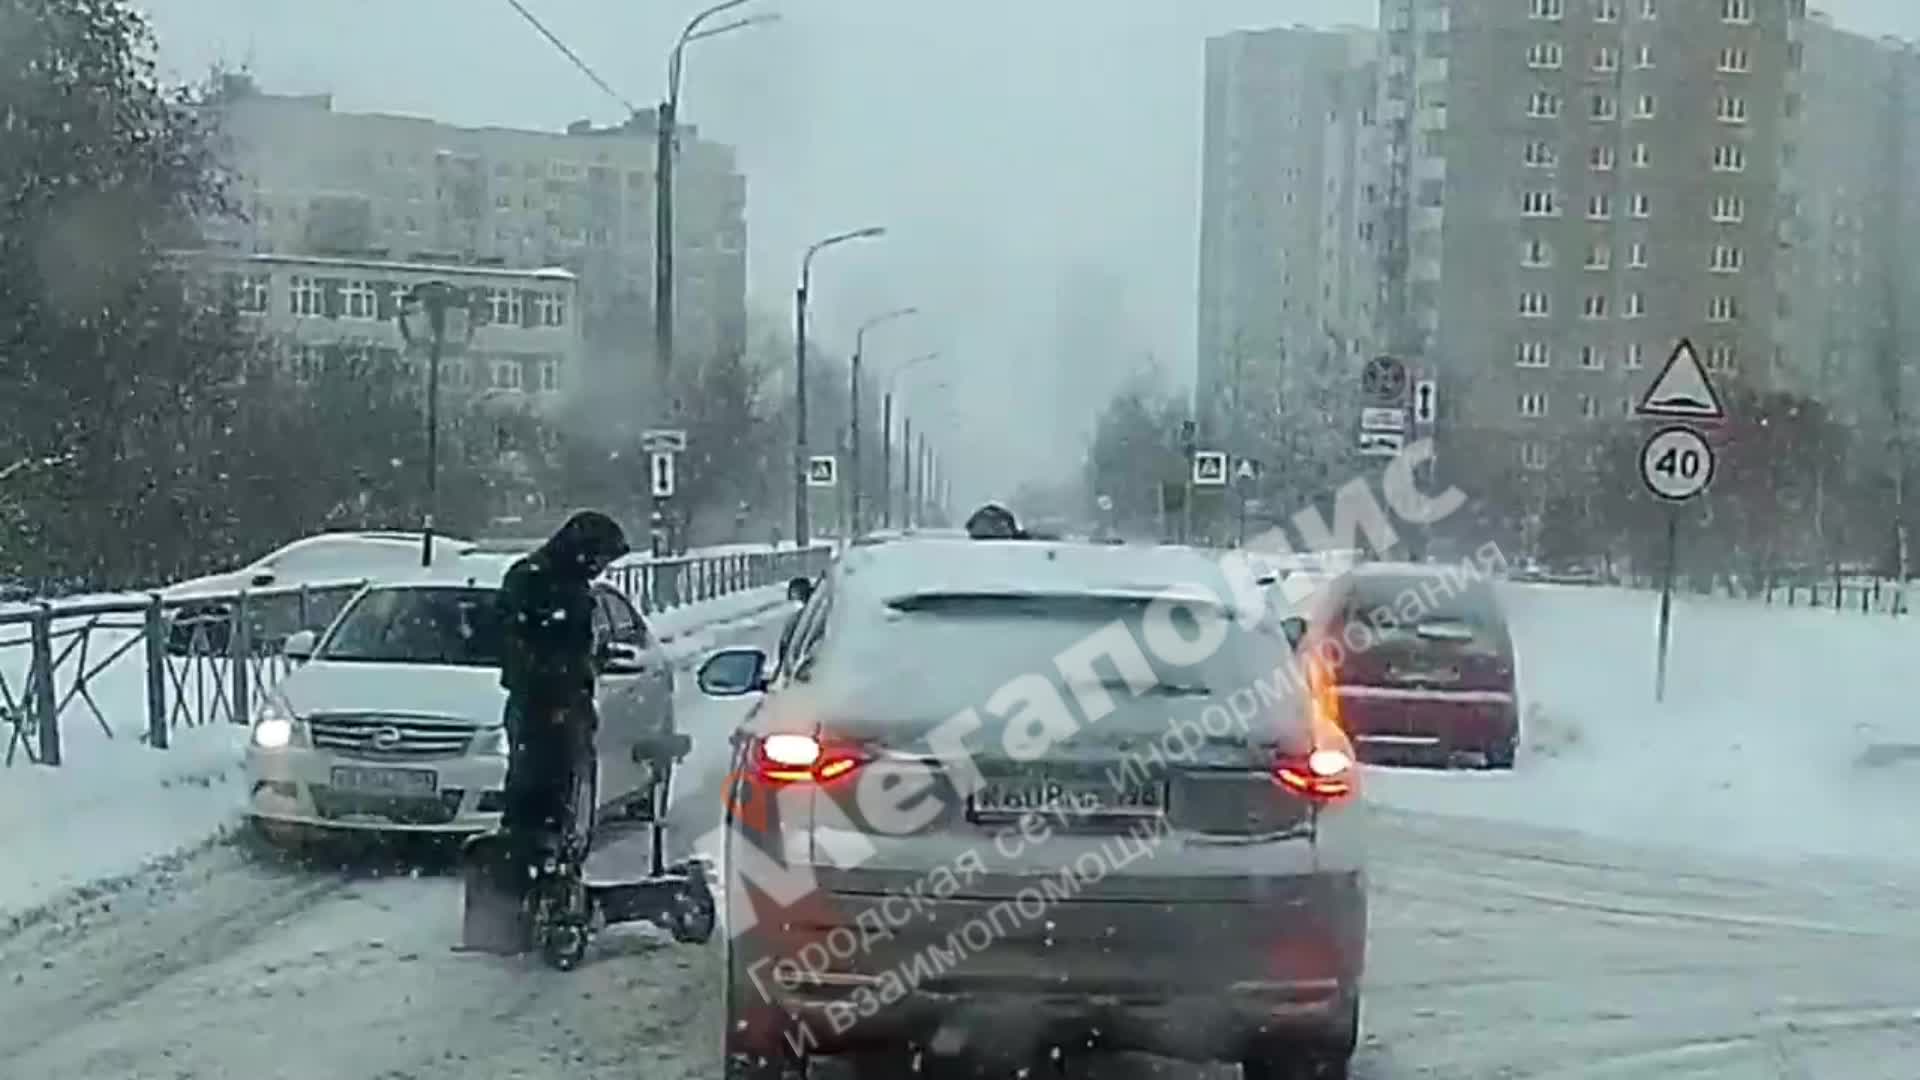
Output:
x=1323 y=774
x=791 y=759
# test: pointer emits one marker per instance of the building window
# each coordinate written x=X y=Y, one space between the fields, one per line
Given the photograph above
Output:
x=1545 y=55
x=1723 y=309
x=1649 y=9
x=506 y=375
x=1643 y=58
x=1736 y=11
x=1589 y=407
x=1543 y=105
x=553 y=309
x=360 y=300
x=1606 y=10
x=1599 y=257
x=549 y=376
x=1636 y=357
x=1534 y=354
x=305 y=297
x=1646 y=107
x=1533 y=404
x=1535 y=305
x=1603 y=107
x=1599 y=206
x=1606 y=58
x=1734 y=60
x=1729 y=157
x=1545 y=9
x=1540 y=154
x=1727 y=259
x=1642 y=205
x=1720 y=358
x=1731 y=109
x=253 y=292
x=1592 y=358
x=1533 y=456
x=1537 y=253
x=1642 y=156
x=1729 y=209
x=1636 y=305
x=1595 y=306
x=1637 y=255
x=1537 y=204
x=1601 y=158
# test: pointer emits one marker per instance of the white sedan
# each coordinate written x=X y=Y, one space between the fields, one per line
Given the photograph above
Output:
x=392 y=720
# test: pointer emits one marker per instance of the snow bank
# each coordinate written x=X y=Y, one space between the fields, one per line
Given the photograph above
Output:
x=1758 y=748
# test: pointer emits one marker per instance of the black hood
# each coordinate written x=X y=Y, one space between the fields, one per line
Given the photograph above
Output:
x=587 y=538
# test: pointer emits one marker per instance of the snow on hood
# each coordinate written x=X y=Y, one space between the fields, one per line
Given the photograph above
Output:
x=472 y=694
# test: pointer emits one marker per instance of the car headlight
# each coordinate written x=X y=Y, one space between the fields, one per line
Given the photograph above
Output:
x=492 y=742
x=274 y=727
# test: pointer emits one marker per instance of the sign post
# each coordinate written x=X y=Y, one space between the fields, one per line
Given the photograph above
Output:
x=1677 y=465
x=1383 y=413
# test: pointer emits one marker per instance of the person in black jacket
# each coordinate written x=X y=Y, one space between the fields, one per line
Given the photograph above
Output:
x=548 y=669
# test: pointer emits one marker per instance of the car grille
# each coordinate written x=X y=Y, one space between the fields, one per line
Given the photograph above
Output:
x=389 y=738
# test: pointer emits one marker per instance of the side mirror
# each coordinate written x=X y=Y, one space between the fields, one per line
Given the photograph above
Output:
x=1295 y=628
x=620 y=658
x=734 y=673
x=800 y=590
x=299 y=646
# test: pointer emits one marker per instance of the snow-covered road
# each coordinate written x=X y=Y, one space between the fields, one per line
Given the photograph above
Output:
x=1501 y=946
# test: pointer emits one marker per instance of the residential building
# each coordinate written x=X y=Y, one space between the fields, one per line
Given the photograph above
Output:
x=316 y=181
x=1853 y=175
x=1571 y=187
x=1285 y=270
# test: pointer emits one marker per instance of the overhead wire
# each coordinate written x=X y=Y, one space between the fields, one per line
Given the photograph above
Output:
x=585 y=68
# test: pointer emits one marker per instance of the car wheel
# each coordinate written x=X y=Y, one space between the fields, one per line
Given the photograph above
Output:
x=754 y=1044
x=1327 y=1056
x=1502 y=755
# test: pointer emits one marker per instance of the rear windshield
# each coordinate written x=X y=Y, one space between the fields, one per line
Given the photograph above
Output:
x=1390 y=600
x=448 y=626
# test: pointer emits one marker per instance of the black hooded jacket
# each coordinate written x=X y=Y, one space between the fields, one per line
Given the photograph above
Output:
x=546 y=609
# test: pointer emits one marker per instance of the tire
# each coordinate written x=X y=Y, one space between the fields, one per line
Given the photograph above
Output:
x=1502 y=755
x=1328 y=1056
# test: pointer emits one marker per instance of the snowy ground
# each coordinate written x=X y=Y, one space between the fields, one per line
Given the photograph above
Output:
x=1710 y=889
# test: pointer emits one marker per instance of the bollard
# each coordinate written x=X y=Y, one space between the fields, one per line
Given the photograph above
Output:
x=40 y=676
x=156 y=643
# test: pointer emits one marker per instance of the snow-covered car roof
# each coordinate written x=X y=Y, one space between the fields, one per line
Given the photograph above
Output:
x=921 y=566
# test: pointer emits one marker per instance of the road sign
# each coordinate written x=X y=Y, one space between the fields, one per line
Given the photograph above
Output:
x=1375 y=418
x=1683 y=389
x=1209 y=468
x=662 y=440
x=1104 y=502
x=1384 y=381
x=823 y=470
x=1248 y=469
x=663 y=478
x=1382 y=443
x=1425 y=401
x=1677 y=463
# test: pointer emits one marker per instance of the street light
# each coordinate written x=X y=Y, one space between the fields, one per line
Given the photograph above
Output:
x=886 y=437
x=800 y=533
x=666 y=138
x=435 y=312
x=853 y=422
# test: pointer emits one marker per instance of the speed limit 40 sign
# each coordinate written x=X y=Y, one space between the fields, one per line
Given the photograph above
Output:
x=1676 y=463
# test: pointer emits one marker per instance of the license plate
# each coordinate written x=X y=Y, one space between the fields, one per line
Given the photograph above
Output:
x=1080 y=799
x=386 y=781
x=1427 y=675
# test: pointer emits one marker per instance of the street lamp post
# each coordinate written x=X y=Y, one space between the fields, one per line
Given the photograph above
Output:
x=886 y=438
x=853 y=416
x=435 y=311
x=801 y=535
x=666 y=405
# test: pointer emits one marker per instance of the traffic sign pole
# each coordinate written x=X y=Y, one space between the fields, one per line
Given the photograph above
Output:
x=1665 y=631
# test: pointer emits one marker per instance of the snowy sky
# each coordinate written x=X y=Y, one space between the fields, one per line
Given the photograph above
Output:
x=1002 y=141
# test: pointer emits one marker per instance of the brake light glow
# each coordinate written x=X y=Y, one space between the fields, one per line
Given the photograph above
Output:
x=1324 y=774
x=799 y=759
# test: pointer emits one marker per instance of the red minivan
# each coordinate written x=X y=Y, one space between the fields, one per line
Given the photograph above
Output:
x=1416 y=663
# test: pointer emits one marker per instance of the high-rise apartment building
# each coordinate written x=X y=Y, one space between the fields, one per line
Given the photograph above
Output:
x=315 y=181
x=1286 y=270
x=1570 y=188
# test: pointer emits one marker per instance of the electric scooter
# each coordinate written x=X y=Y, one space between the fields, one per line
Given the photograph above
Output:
x=557 y=910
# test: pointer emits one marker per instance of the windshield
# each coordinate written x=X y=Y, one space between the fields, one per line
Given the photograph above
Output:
x=457 y=627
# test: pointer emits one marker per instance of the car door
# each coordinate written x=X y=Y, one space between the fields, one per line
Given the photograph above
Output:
x=621 y=695
x=655 y=679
